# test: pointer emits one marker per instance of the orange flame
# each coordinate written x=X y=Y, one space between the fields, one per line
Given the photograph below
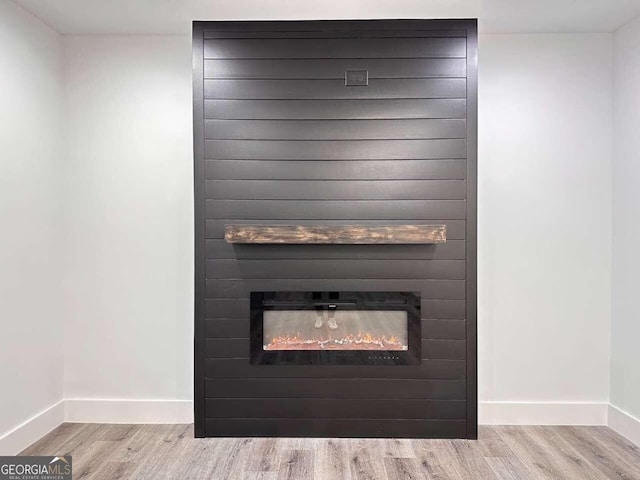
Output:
x=348 y=342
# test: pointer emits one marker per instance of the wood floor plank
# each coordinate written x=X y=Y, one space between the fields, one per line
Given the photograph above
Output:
x=202 y=459
x=186 y=453
x=90 y=457
x=114 y=452
x=139 y=443
x=531 y=453
x=402 y=468
x=365 y=463
x=505 y=468
x=115 y=432
x=235 y=457
x=332 y=460
x=600 y=457
x=263 y=457
x=612 y=447
x=112 y=471
x=500 y=457
x=491 y=444
x=438 y=460
x=572 y=453
x=432 y=469
x=164 y=454
x=619 y=443
x=296 y=464
x=572 y=465
x=396 y=448
x=470 y=458
x=259 y=476
x=59 y=441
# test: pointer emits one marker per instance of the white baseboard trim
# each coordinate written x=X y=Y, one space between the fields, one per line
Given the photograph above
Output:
x=33 y=429
x=542 y=413
x=625 y=424
x=90 y=410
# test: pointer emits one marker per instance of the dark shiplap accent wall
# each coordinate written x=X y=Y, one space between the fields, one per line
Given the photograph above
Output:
x=279 y=138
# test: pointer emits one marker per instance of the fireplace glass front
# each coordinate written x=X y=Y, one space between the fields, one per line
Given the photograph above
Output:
x=335 y=328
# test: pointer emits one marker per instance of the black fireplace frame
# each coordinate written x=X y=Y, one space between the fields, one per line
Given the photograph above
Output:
x=390 y=301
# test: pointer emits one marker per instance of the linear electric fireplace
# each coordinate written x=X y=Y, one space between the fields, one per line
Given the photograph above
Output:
x=328 y=328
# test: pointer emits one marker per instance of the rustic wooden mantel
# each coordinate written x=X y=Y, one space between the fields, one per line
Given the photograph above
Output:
x=344 y=234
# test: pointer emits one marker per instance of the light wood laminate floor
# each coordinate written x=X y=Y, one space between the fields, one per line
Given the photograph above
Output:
x=170 y=452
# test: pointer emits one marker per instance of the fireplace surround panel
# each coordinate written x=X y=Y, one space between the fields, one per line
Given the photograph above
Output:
x=294 y=338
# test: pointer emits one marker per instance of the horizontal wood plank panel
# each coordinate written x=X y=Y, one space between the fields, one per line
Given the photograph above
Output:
x=334 y=388
x=334 y=210
x=238 y=348
x=429 y=289
x=214 y=229
x=306 y=109
x=452 y=169
x=333 y=149
x=239 y=308
x=431 y=348
x=424 y=269
x=323 y=33
x=446 y=329
x=334 y=89
x=321 y=427
x=336 y=28
x=333 y=408
x=428 y=369
x=227 y=308
x=336 y=189
x=444 y=349
x=227 y=328
x=219 y=249
x=443 y=309
x=337 y=48
x=334 y=68
x=310 y=34
x=334 y=129
x=226 y=347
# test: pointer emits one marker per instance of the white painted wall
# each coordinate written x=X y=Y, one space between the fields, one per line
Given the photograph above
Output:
x=545 y=153
x=545 y=149
x=130 y=206
x=625 y=324
x=31 y=323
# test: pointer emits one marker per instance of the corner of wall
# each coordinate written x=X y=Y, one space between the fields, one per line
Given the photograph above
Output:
x=16 y=440
x=624 y=424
